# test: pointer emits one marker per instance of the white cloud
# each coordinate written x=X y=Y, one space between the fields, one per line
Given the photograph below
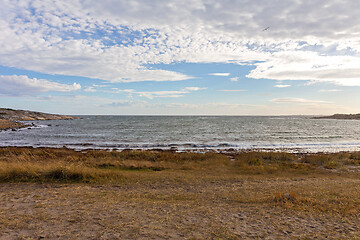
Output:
x=234 y=79
x=339 y=70
x=282 y=86
x=297 y=100
x=126 y=103
x=115 y=40
x=162 y=94
x=232 y=90
x=220 y=74
x=23 y=85
x=90 y=89
x=330 y=90
x=193 y=89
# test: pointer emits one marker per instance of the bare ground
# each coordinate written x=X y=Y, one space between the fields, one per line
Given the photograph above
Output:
x=183 y=206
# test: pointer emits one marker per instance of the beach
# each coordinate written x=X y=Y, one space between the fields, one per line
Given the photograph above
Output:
x=186 y=119
x=65 y=194
x=161 y=177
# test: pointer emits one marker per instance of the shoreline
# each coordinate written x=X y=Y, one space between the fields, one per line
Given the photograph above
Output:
x=90 y=134
x=6 y=125
x=25 y=115
x=340 y=117
x=231 y=150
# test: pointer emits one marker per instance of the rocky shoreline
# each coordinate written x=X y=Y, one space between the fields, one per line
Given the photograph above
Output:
x=10 y=118
x=6 y=124
x=341 y=116
x=24 y=115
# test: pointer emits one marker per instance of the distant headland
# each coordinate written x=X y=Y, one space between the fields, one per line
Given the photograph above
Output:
x=341 y=116
x=9 y=118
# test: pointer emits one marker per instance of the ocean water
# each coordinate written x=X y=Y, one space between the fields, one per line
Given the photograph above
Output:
x=197 y=133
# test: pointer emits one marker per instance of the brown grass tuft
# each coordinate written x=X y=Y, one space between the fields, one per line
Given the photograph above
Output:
x=65 y=165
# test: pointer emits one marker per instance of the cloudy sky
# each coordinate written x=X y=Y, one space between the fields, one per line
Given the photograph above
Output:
x=233 y=57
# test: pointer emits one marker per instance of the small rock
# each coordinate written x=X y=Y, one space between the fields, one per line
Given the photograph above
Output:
x=173 y=149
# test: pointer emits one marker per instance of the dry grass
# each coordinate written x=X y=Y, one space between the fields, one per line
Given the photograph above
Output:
x=162 y=194
x=66 y=165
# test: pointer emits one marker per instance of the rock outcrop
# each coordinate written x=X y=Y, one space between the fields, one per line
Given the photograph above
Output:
x=6 y=124
x=9 y=118
x=23 y=115
x=341 y=116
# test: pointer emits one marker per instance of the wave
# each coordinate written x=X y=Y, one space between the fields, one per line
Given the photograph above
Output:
x=188 y=133
x=295 y=147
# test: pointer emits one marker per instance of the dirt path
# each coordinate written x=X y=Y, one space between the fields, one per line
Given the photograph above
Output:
x=229 y=209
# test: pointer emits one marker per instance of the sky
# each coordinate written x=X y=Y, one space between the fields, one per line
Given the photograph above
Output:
x=180 y=57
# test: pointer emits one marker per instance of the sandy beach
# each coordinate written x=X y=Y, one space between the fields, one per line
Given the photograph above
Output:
x=165 y=195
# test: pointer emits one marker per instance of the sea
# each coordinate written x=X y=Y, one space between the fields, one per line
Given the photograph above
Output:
x=191 y=133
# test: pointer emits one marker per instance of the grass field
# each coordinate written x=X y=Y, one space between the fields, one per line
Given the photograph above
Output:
x=61 y=193
x=99 y=166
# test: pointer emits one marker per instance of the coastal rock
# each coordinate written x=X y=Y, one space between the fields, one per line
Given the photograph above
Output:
x=9 y=118
x=341 y=116
x=23 y=115
x=6 y=124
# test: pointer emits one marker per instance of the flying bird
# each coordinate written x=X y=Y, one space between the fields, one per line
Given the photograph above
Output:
x=267 y=28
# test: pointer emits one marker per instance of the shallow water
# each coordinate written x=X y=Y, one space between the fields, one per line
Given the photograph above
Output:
x=292 y=133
